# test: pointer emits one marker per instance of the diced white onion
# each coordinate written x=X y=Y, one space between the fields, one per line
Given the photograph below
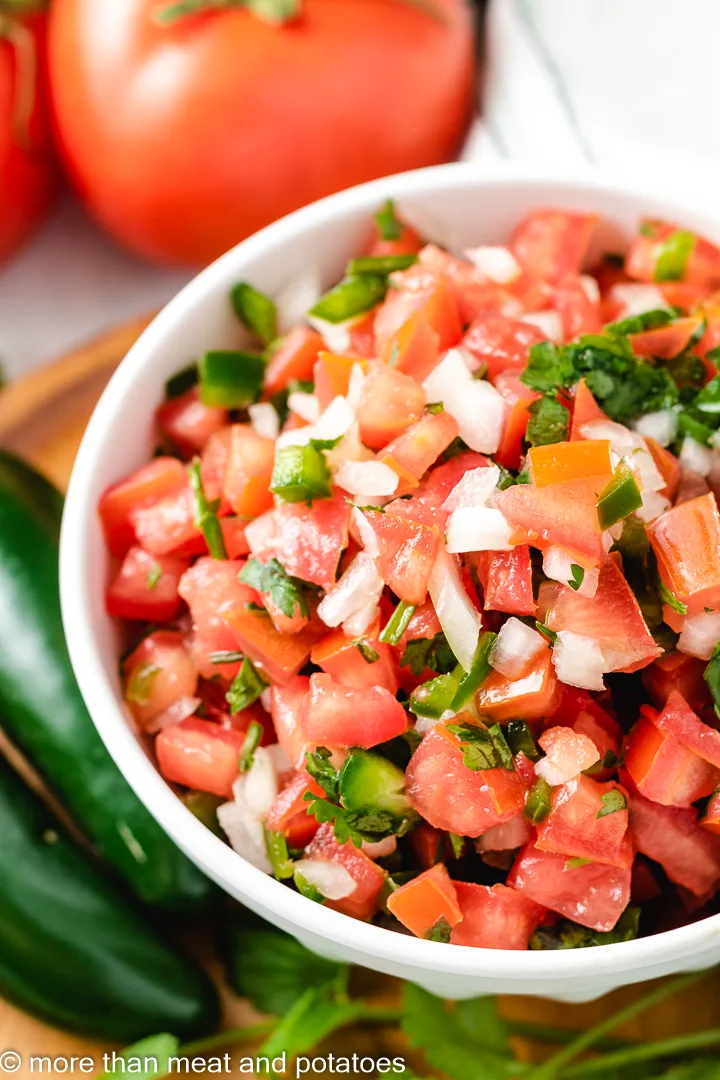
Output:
x=367 y=478
x=335 y=419
x=295 y=298
x=578 y=661
x=355 y=385
x=474 y=489
x=174 y=714
x=653 y=505
x=331 y=879
x=558 y=566
x=515 y=648
x=661 y=426
x=261 y=783
x=363 y=532
x=359 y=585
x=458 y=617
x=304 y=405
x=637 y=298
x=568 y=753
x=641 y=461
x=620 y=438
x=700 y=634
x=265 y=420
x=379 y=849
x=260 y=532
x=478 y=528
x=244 y=831
x=476 y=405
x=357 y=623
x=348 y=449
x=495 y=262
x=547 y=322
x=694 y=457
x=507 y=836
x=590 y=287
x=266 y=699
x=335 y=335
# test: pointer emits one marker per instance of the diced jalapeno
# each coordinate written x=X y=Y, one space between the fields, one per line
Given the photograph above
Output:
x=619 y=498
x=256 y=310
x=538 y=802
x=480 y=668
x=435 y=697
x=300 y=474
x=353 y=296
x=379 y=265
x=230 y=379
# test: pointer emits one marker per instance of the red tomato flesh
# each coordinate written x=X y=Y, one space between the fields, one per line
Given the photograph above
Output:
x=495 y=917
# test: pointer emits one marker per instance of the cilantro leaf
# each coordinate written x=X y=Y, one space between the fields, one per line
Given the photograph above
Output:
x=357 y=825
x=274 y=970
x=313 y=1017
x=253 y=737
x=369 y=655
x=158 y=1048
x=272 y=579
x=320 y=767
x=671 y=599
x=205 y=513
x=247 y=686
x=465 y=1043
x=483 y=748
x=549 y=422
x=612 y=801
x=565 y=934
x=439 y=931
x=433 y=653
x=547 y=369
x=578 y=576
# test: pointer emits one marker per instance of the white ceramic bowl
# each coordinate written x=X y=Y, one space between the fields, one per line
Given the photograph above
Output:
x=459 y=205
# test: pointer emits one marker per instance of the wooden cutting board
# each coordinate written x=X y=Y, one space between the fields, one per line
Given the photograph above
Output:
x=42 y=417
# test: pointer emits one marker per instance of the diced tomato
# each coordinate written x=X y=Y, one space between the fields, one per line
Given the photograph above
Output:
x=389 y=403
x=612 y=618
x=519 y=398
x=158 y=673
x=663 y=769
x=343 y=716
x=567 y=753
x=187 y=423
x=361 y=332
x=428 y=844
x=676 y=671
x=284 y=624
x=578 y=306
x=672 y=836
x=248 y=471
x=532 y=696
x=233 y=532
x=678 y=719
x=437 y=305
x=686 y=540
x=280 y=656
x=495 y=917
x=213 y=463
x=570 y=703
x=413 y=348
x=711 y=817
x=453 y=797
x=167 y=527
x=331 y=375
x=506 y=578
x=211 y=588
x=511 y=834
x=425 y=900
x=425 y=505
x=665 y=342
x=369 y=878
x=585 y=410
x=287 y=704
x=667 y=465
x=594 y=895
x=423 y=624
x=644 y=882
x=407 y=243
x=702 y=267
x=340 y=657
x=308 y=540
x=200 y=755
x=500 y=343
x=413 y=452
x=553 y=243
x=581 y=826
x=289 y=815
x=562 y=514
x=146 y=587
x=161 y=477
x=561 y=462
x=293 y=359
x=407 y=553
x=605 y=733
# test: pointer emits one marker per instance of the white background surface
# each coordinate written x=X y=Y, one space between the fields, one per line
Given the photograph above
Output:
x=581 y=81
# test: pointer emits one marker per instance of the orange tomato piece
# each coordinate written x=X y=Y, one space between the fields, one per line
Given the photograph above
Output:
x=413 y=349
x=519 y=397
x=248 y=471
x=425 y=900
x=279 y=655
x=332 y=376
x=294 y=359
x=686 y=542
x=556 y=463
x=664 y=770
x=389 y=403
x=667 y=465
x=585 y=409
x=665 y=342
x=560 y=514
x=529 y=697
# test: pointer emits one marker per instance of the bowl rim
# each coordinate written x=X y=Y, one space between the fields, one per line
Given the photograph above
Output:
x=210 y=852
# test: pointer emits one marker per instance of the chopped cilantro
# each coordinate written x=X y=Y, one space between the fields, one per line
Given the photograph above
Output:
x=355 y=826
x=253 y=738
x=319 y=766
x=226 y=657
x=564 y=934
x=578 y=576
x=140 y=684
x=439 y=931
x=369 y=655
x=549 y=421
x=576 y=862
x=205 y=513
x=612 y=801
x=247 y=687
x=154 y=575
x=483 y=748
x=671 y=599
x=433 y=653
x=272 y=579
x=458 y=844
x=546 y=632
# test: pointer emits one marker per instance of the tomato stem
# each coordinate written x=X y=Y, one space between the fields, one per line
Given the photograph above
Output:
x=23 y=43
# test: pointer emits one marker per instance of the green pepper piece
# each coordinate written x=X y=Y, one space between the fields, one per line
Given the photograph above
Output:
x=712 y=677
x=520 y=740
x=480 y=668
x=278 y=854
x=246 y=688
x=306 y=889
x=205 y=513
x=397 y=624
x=353 y=296
x=673 y=256
x=538 y=804
x=256 y=311
x=619 y=498
x=230 y=379
x=300 y=474
x=436 y=696
x=379 y=265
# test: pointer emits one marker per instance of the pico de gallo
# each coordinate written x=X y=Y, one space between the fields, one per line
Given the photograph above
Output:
x=422 y=594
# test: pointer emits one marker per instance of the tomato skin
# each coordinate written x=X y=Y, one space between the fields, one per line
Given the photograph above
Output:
x=279 y=656
x=519 y=398
x=665 y=342
x=585 y=409
x=294 y=359
x=678 y=719
x=419 y=447
x=573 y=827
x=187 y=423
x=167 y=527
x=495 y=917
x=389 y=403
x=28 y=173
x=289 y=815
x=663 y=769
x=308 y=540
x=287 y=703
x=579 y=311
x=532 y=696
x=435 y=303
x=561 y=514
x=343 y=716
x=230 y=64
x=452 y=797
x=210 y=588
x=175 y=675
x=369 y=878
x=502 y=344
x=668 y=466
x=425 y=506
x=161 y=477
x=428 y=897
x=605 y=733
x=553 y=243
x=506 y=578
x=407 y=553
x=672 y=836
x=331 y=375
x=593 y=895
x=200 y=755
x=413 y=347
x=686 y=540
x=130 y=595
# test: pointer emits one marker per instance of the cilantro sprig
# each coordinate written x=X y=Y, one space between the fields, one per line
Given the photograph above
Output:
x=272 y=579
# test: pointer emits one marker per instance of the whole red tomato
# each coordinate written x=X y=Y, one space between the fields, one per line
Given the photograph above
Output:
x=185 y=137
x=27 y=173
